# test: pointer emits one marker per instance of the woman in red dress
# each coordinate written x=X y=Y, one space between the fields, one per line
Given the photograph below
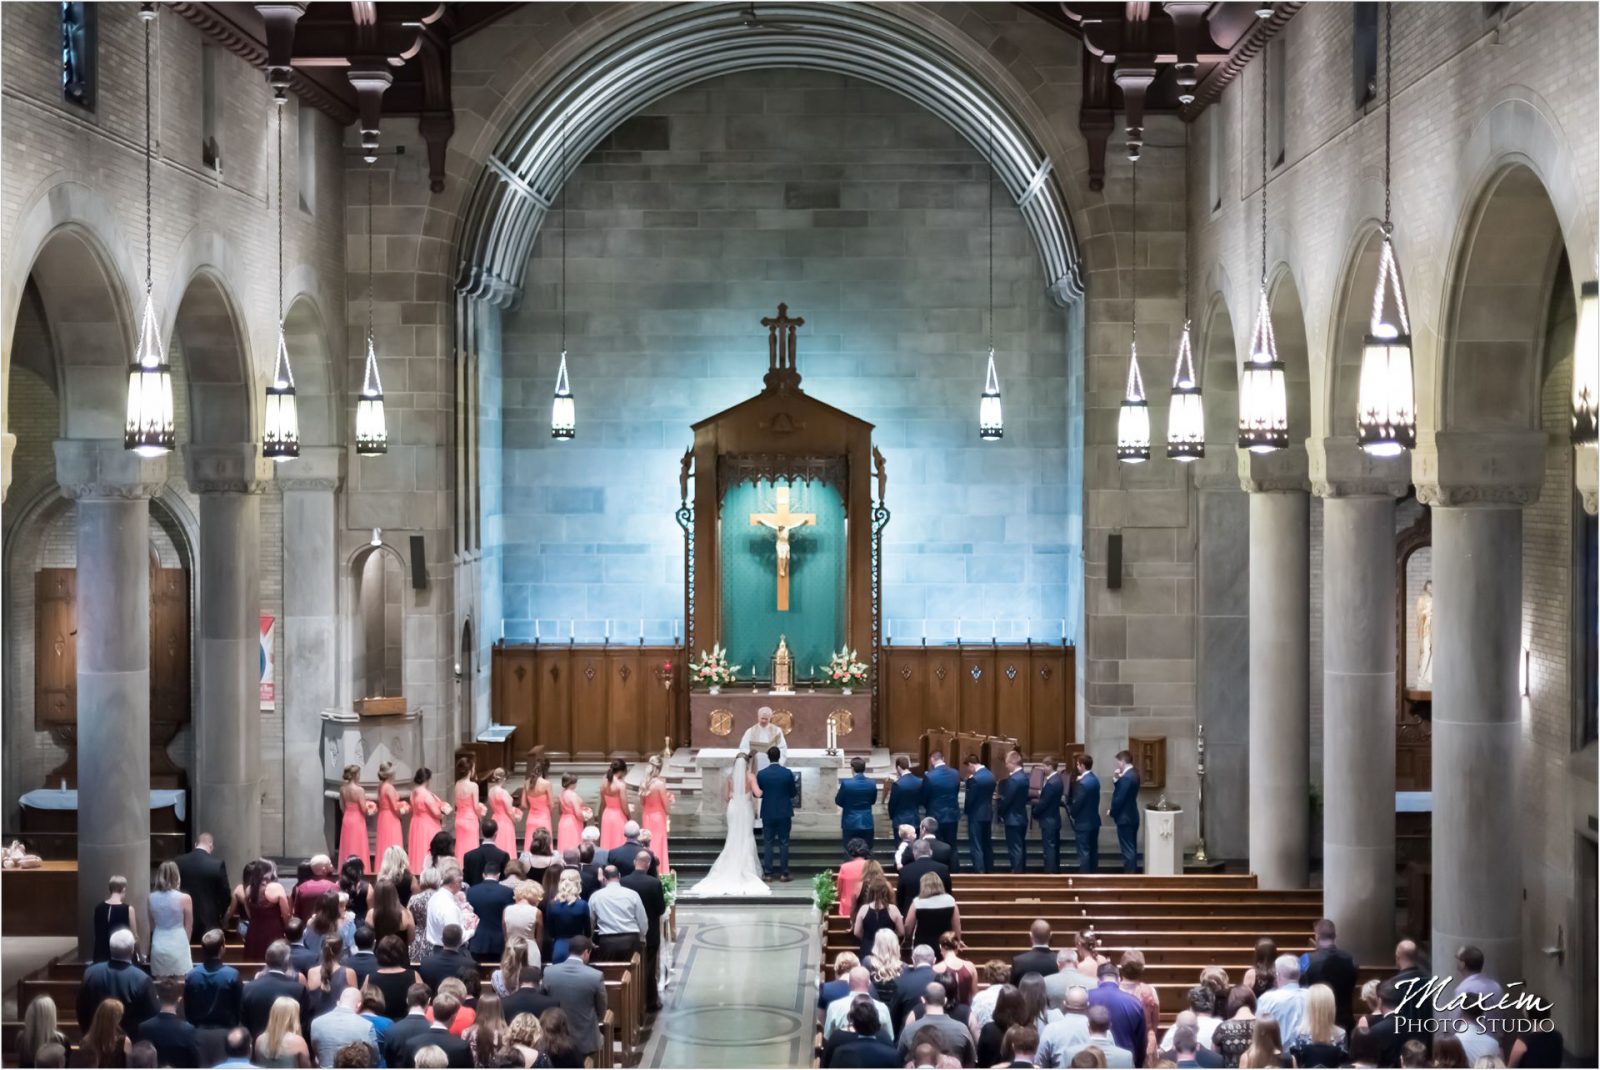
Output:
x=426 y=811
x=263 y=905
x=390 y=808
x=505 y=814
x=469 y=811
x=573 y=814
x=353 y=842
x=537 y=797
x=654 y=801
x=614 y=809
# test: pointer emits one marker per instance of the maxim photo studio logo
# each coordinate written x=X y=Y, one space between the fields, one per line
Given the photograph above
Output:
x=1429 y=1005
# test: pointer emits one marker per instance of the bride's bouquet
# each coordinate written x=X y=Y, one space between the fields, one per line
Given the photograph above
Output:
x=713 y=668
x=845 y=669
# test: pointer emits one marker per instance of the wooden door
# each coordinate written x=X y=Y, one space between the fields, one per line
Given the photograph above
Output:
x=169 y=646
x=55 y=650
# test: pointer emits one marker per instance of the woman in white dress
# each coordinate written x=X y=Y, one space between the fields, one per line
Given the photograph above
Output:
x=171 y=918
x=737 y=870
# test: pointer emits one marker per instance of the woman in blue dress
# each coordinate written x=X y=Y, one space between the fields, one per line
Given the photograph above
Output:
x=566 y=916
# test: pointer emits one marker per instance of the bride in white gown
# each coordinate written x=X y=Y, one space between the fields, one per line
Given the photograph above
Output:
x=737 y=870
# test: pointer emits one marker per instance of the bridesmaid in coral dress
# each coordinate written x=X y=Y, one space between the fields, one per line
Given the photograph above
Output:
x=426 y=812
x=536 y=797
x=469 y=811
x=355 y=807
x=390 y=809
x=614 y=809
x=573 y=814
x=504 y=812
x=655 y=801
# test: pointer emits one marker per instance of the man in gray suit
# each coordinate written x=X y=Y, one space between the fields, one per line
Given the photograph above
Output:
x=581 y=990
x=1067 y=976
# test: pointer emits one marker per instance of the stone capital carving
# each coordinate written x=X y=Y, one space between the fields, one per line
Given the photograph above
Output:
x=1340 y=468
x=1585 y=461
x=1479 y=468
x=1281 y=470
x=317 y=468
x=237 y=468
x=1217 y=470
x=101 y=470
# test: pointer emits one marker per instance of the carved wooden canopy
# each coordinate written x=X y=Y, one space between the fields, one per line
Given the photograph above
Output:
x=781 y=433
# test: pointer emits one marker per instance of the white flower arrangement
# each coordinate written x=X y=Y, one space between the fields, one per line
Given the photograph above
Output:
x=845 y=669
x=713 y=668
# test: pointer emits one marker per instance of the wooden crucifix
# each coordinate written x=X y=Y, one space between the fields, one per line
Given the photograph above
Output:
x=782 y=522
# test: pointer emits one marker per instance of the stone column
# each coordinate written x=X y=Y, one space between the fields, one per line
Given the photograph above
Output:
x=112 y=488
x=227 y=769
x=1280 y=626
x=310 y=669
x=1358 y=691
x=1222 y=678
x=1477 y=484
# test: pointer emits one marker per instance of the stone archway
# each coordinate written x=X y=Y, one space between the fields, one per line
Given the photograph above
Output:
x=674 y=46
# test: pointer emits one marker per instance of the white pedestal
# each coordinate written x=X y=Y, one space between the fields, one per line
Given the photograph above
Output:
x=819 y=780
x=1163 y=854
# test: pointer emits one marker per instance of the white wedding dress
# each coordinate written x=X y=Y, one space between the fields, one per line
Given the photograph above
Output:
x=737 y=870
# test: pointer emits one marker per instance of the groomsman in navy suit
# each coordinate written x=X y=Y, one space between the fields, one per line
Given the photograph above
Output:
x=854 y=799
x=1084 y=810
x=1125 y=810
x=905 y=797
x=941 y=789
x=778 y=788
x=1047 y=814
x=980 y=815
x=1014 y=810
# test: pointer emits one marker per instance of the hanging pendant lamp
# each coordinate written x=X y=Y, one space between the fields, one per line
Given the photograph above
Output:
x=1386 y=405
x=1186 y=419
x=1263 y=390
x=372 y=429
x=563 y=409
x=151 y=426
x=991 y=420
x=280 y=439
x=1586 y=365
x=1133 y=418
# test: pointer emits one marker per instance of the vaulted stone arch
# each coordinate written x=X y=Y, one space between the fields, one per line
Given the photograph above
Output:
x=673 y=46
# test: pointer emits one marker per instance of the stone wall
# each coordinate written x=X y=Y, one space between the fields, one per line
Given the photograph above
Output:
x=868 y=216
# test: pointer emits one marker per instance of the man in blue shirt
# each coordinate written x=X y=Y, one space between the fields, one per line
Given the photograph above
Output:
x=1084 y=810
x=1047 y=813
x=778 y=788
x=905 y=796
x=941 y=789
x=1125 y=811
x=854 y=799
x=980 y=815
x=1127 y=1013
x=1014 y=811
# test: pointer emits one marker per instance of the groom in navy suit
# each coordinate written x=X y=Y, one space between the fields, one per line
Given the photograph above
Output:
x=1013 y=807
x=980 y=815
x=941 y=790
x=778 y=788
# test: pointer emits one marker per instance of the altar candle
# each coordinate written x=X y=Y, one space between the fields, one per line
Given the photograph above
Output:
x=608 y=628
x=536 y=635
x=888 y=627
x=675 y=629
x=641 y=629
x=502 y=629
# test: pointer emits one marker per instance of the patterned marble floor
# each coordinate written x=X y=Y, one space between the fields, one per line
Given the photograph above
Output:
x=742 y=992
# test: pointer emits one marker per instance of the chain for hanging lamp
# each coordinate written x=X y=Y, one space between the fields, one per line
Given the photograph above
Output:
x=991 y=419
x=1133 y=417
x=151 y=426
x=372 y=426
x=563 y=409
x=1386 y=399
x=1263 y=389
x=1585 y=359
x=280 y=438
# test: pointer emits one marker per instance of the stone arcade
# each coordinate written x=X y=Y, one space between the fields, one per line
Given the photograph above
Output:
x=1366 y=682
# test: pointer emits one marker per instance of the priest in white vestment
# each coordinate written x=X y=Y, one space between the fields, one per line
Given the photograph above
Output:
x=761 y=735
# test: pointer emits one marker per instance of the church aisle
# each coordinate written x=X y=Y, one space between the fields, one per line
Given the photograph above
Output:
x=742 y=993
